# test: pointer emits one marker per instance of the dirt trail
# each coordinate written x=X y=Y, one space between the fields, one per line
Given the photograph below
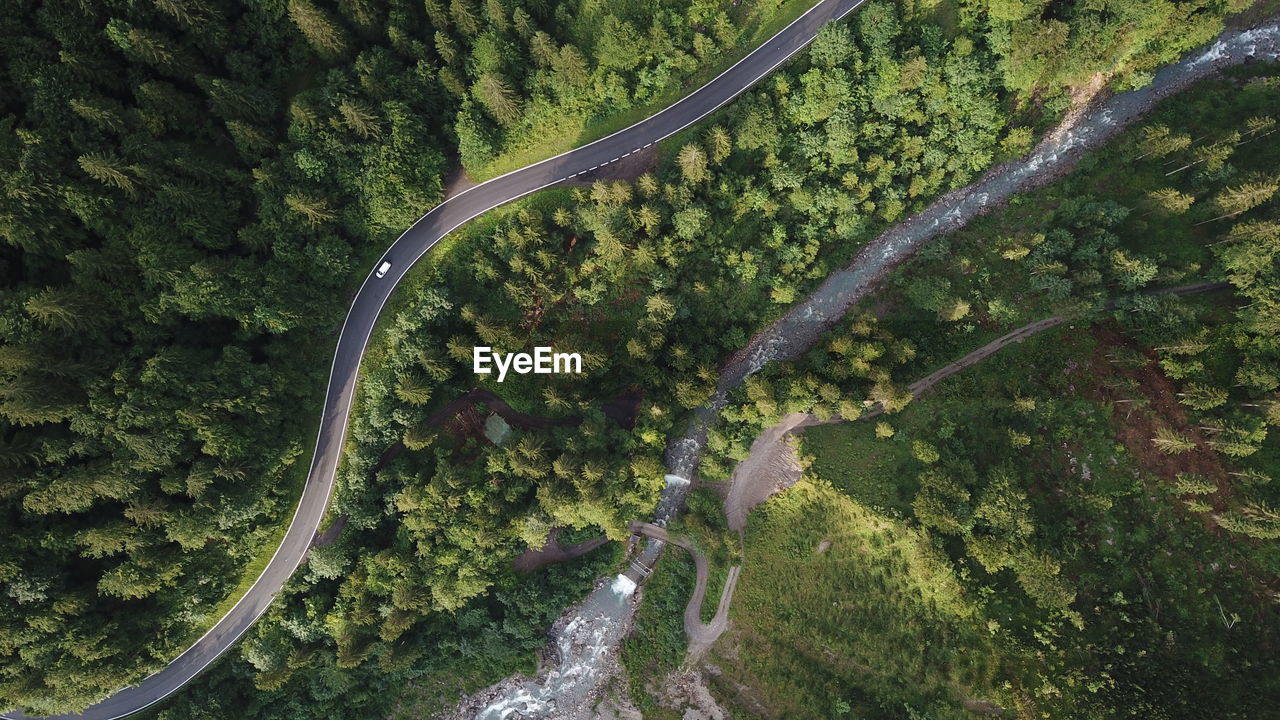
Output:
x=772 y=465
x=795 y=332
x=1022 y=333
x=553 y=552
x=701 y=636
x=500 y=406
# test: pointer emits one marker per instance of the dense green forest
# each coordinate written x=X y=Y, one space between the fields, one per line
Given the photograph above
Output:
x=654 y=281
x=534 y=79
x=1083 y=525
x=191 y=190
x=185 y=188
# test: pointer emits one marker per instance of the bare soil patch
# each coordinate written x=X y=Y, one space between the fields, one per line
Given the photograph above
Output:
x=553 y=552
x=457 y=181
x=772 y=466
x=686 y=692
x=623 y=408
x=1135 y=428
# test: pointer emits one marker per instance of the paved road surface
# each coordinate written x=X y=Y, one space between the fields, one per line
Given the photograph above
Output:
x=406 y=250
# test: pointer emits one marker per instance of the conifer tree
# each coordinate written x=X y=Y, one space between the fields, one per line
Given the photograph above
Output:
x=1172 y=442
x=498 y=98
x=321 y=30
x=108 y=169
x=693 y=163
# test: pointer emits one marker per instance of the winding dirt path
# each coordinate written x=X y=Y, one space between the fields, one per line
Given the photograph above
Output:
x=701 y=635
x=606 y=609
x=772 y=465
x=553 y=552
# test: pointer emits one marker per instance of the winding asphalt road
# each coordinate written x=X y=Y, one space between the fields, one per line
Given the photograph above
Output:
x=373 y=294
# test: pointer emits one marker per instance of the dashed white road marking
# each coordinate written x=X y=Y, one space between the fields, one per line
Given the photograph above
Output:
x=597 y=167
